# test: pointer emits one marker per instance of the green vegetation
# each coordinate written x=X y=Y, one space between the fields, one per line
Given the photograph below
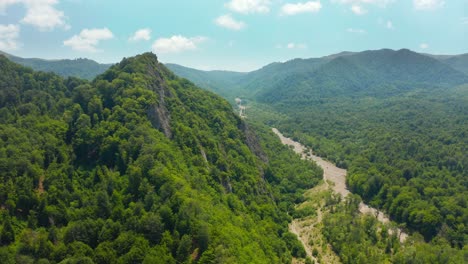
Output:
x=397 y=120
x=80 y=68
x=404 y=154
x=139 y=166
x=362 y=239
x=404 y=148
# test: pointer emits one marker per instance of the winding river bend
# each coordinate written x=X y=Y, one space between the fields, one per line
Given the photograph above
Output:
x=337 y=176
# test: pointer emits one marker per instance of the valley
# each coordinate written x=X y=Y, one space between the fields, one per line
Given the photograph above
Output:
x=233 y=132
x=334 y=179
x=384 y=141
x=393 y=127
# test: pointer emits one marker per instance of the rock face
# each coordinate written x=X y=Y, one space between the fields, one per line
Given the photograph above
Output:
x=159 y=114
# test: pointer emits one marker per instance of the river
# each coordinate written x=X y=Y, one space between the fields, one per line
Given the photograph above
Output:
x=337 y=176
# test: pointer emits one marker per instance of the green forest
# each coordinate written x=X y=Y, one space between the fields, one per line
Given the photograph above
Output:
x=397 y=121
x=139 y=166
x=406 y=155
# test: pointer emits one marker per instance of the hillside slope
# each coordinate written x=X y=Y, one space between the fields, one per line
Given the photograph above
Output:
x=369 y=73
x=80 y=68
x=221 y=82
x=137 y=166
x=396 y=120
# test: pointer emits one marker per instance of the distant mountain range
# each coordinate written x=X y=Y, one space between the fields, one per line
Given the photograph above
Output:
x=378 y=73
x=81 y=68
x=353 y=71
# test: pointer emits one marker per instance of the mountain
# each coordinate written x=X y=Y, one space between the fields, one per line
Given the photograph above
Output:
x=376 y=73
x=139 y=166
x=216 y=81
x=80 y=68
x=396 y=119
x=459 y=62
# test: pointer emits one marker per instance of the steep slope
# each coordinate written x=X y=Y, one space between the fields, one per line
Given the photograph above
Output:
x=458 y=62
x=396 y=120
x=221 y=82
x=137 y=166
x=80 y=68
x=376 y=73
x=369 y=73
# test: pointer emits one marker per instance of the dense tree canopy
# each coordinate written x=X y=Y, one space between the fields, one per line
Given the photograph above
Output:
x=397 y=120
x=138 y=166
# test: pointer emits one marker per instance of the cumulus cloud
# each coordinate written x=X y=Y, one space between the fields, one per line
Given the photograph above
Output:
x=228 y=22
x=424 y=45
x=9 y=37
x=381 y=3
x=428 y=4
x=141 y=34
x=88 y=39
x=297 y=8
x=5 y=3
x=41 y=14
x=389 y=25
x=358 y=10
x=249 y=6
x=292 y=45
x=358 y=6
x=176 y=44
x=356 y=30
x=464 y=20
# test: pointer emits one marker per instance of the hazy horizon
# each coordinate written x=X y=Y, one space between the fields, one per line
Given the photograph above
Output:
x=238 y=35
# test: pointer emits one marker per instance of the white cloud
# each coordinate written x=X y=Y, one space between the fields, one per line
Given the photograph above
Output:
x=176 y=44
x=141 y=34
x=464 y=20
x=9 y=37
x=291 y=45
x=43 y=15
x=249 y=6
x=88 y=39
x=389 y=25
x=381 y=3
x=5 y=3
x=358 y=6
x=424 y=45
x=358 y=10
x=356 y=30
x=297 y=8
x=428 y=4
x=228 y=22
x=39 y=13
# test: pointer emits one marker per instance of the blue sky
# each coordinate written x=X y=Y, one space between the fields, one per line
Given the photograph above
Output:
x=237 y=35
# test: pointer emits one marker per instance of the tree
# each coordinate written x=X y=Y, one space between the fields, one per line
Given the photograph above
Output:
x=7 y=235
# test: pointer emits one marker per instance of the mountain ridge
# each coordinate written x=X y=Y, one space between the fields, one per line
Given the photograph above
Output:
x=386 y=67
x=79 y=67
x=138 y=166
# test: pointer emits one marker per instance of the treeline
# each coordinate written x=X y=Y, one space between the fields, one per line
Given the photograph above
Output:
x=361 y=239
x=405 y=154
x=138 y=166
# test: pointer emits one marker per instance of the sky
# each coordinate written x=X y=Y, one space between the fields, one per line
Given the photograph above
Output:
x=240 y=35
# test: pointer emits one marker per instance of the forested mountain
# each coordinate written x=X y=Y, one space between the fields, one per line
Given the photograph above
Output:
x=139 y=166
x=81 y=68
x=397 y=120
x=380 y=72
x=369 y=73
x=459 y=62
x=216 y=81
